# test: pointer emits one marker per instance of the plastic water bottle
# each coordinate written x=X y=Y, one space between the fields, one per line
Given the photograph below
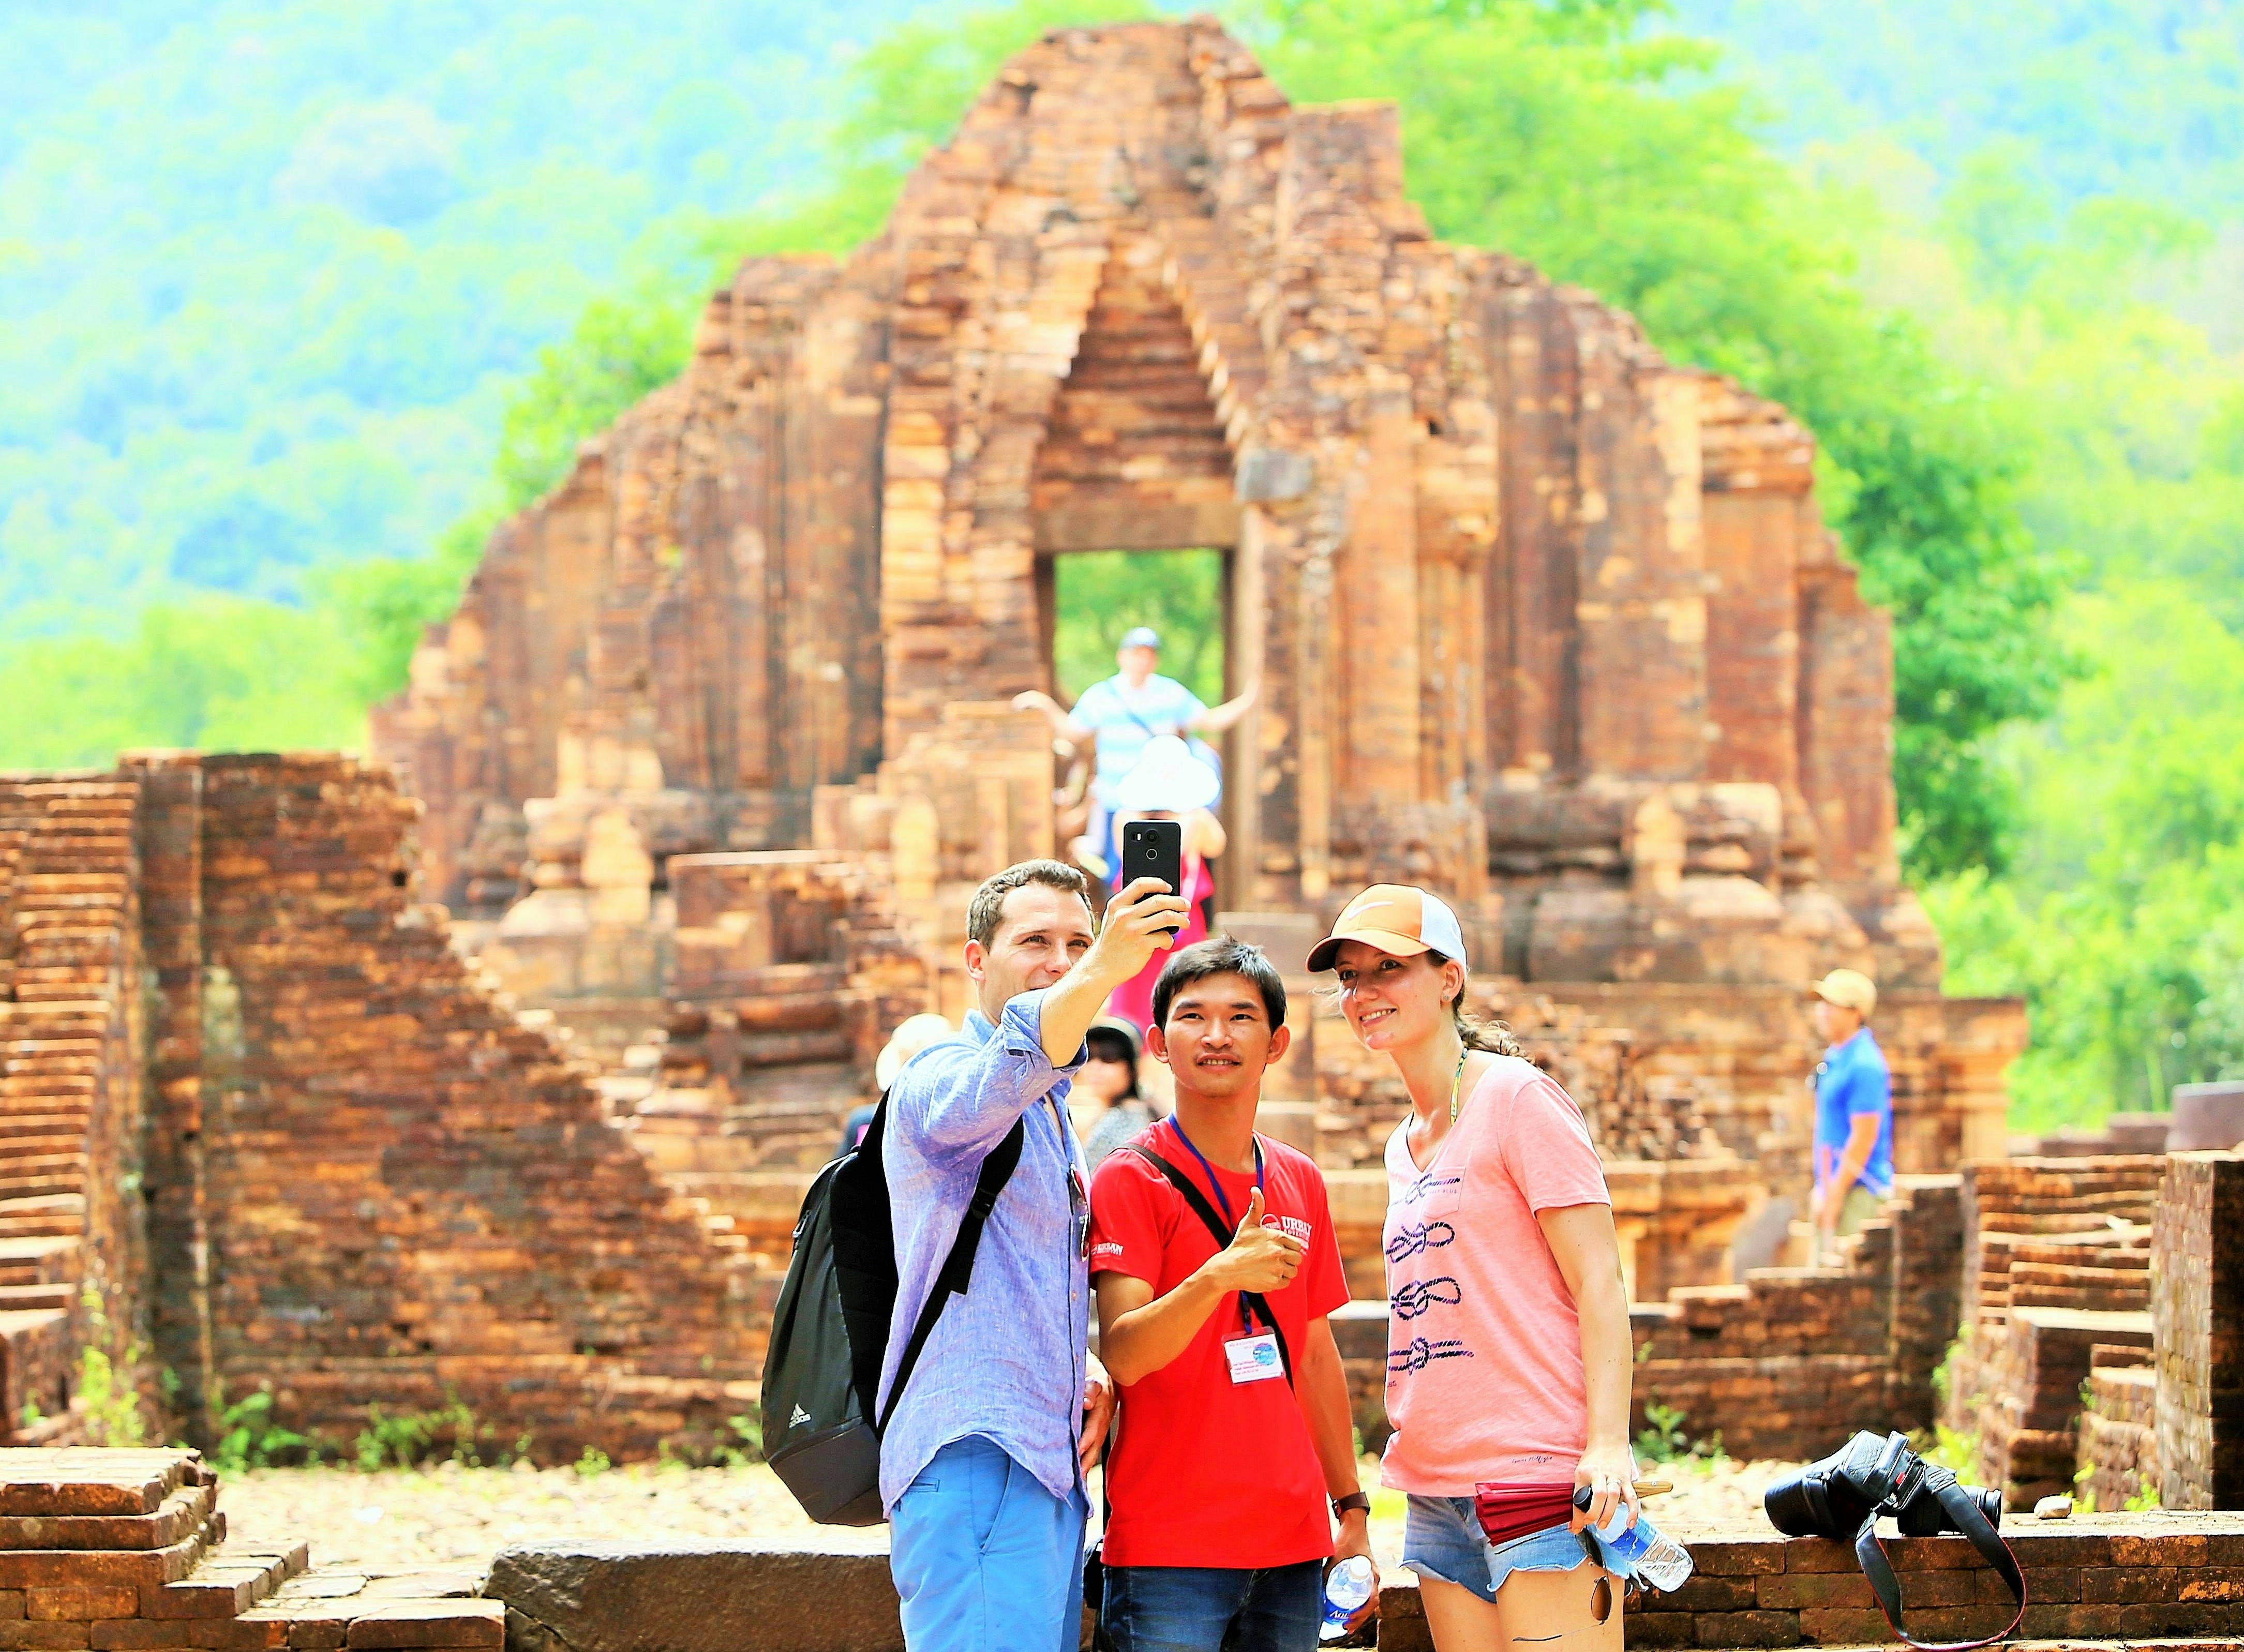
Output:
x=1347 y=1586
x=1642 y=1550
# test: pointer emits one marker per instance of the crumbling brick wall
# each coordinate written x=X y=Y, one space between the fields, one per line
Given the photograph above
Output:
x=1791 y=1362
x=2056 y=1263
x=73 y=1235
x=406 y=1196
x=2198 y=1310
x=2118 y=1464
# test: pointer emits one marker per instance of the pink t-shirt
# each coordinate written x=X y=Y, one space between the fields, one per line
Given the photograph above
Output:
x=1484 y=1352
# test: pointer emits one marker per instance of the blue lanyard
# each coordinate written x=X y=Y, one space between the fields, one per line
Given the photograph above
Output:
x=1223 y=1202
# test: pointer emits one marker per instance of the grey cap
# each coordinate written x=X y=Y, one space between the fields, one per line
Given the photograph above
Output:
x=1141 y=636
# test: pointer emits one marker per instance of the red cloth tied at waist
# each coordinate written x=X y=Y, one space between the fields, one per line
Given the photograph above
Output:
x=1508 y=1509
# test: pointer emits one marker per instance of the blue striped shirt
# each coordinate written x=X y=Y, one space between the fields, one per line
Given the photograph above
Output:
x=1006 y=1359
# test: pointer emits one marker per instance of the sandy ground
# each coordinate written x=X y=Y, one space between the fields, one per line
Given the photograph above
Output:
x=448 y=1518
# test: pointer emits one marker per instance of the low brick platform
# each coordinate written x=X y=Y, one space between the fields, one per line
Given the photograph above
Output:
x=2164 y=1580
x=120 y=1551
x=2129 y=1580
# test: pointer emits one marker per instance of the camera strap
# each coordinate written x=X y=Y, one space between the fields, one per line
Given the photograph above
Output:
x=1964 y=1514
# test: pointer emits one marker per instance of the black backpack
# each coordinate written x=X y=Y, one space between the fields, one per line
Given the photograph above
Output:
x=830 y=1328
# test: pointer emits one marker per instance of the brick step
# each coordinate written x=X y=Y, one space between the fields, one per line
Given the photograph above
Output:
x=40 y=1042
x=21 y=1091
x=38 y=1261
x=51 y=980
x=48 y=1094
x=72 y=991
x=21 y=1162
x=17 y=1297
x=73 y=1006
x=184 y=1512
x=42 y=1224
x=42 y=1133
x=224 y=1584
x=75 y=883
x=336 y=1607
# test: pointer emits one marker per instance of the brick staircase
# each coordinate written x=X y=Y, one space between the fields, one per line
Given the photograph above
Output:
x=124 y=1550
x=66 y=1086
x=2057 y=1265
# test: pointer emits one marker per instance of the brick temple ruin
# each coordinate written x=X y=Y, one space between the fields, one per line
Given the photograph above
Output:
x=1540 y=619
x=494 y=1069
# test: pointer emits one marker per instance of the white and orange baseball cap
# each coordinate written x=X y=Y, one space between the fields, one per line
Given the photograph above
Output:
x=1395 y=918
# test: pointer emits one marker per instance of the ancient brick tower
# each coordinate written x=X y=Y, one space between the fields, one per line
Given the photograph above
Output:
x=1541 y=619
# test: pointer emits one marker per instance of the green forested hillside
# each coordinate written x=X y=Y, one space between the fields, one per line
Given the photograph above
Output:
x=300 y=295
x=2061 y=189
x=269 y=269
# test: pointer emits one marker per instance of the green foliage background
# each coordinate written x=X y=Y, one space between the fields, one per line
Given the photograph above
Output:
x=309 y=297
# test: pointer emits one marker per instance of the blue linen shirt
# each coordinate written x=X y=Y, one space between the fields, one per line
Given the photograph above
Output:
x=1006 y=1359
x=1854 y=1080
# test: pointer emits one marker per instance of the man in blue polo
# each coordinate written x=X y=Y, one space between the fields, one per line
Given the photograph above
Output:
x=1125 y=711
x=1854 y=1110
x=982 y=1462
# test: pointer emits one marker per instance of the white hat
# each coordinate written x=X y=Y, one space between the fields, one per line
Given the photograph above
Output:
x=913 y=1035
x=1168 y=777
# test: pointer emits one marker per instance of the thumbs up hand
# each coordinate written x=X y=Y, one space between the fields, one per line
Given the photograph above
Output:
x=1258 y=1258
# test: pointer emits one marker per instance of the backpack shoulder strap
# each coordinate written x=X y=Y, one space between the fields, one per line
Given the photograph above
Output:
x=1197 y=1200
x=957 y=1271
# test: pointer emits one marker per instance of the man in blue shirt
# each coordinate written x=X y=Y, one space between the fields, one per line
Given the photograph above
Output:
x=982 y=1463
x=1854 y=1110
x=1124 y=711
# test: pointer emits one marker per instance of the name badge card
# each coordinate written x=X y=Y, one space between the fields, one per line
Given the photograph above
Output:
x=1254 y=1358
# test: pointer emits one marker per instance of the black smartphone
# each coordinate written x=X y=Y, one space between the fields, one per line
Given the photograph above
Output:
x=1154 y=849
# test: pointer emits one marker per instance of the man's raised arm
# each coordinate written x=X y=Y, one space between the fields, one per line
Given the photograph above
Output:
x=1140 y=922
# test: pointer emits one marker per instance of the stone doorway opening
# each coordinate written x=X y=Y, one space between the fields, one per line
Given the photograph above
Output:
x=1136 y=518
x=1088 y=600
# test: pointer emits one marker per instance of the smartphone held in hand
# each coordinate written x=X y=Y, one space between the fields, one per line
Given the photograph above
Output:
x=1154 y=849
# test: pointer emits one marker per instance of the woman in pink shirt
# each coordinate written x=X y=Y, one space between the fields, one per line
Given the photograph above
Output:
x=1509 y=1351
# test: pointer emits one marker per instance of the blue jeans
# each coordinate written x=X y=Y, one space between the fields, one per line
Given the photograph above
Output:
x=1214 y=1608
x=985 y=1558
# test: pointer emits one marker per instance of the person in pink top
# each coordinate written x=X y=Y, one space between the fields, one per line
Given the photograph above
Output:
x=1508 y=1352
x=1170 y=784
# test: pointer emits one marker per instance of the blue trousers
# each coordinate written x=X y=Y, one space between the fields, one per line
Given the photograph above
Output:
x=1214 y=1608
x=985 y=1558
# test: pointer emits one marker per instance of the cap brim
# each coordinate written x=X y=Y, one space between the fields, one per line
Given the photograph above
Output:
x=1322 y=954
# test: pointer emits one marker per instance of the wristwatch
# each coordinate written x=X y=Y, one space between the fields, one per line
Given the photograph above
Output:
x=1353 y=1499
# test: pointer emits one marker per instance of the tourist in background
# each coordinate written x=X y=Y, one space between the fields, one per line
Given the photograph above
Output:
x=1236 y=1431
x=1854 y=1111
x=1104 y=1100
x=913 y=1035
x=982 y=1461
x=1123 y=713
x=1508 y=1354
x=1171 y=784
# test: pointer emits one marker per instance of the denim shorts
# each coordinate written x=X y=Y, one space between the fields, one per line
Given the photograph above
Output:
x=1441 y=1538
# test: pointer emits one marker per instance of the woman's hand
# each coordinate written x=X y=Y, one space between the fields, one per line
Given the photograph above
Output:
x=1610 y=1472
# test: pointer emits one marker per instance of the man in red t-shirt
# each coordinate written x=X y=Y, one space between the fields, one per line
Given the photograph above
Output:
x=1234 y=1430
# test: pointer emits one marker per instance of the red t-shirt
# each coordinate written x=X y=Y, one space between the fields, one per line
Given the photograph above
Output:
x=1205 y=1471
